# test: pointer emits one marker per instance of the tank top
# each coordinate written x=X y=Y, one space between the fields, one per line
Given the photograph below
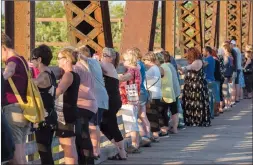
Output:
x=48 y=98
x=70 y=100
x=112 y=87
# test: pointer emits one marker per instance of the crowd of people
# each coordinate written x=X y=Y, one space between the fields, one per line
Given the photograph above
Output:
x=94 y=88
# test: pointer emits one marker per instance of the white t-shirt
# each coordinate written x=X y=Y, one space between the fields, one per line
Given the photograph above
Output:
x=153 y=78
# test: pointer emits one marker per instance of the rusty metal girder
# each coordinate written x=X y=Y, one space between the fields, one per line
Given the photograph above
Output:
x=234 y=21
x=20 y=27
x=211 y=15
x=89 y=24
x=246 y=12
x=139 y=25
x=223 y=22
x=168 y=26
x=189 y=25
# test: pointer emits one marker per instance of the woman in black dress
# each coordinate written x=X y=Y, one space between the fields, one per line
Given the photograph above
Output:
x=248 y=71
x=195 y=93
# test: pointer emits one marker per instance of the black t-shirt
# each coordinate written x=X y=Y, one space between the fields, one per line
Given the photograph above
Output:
x=234 y=55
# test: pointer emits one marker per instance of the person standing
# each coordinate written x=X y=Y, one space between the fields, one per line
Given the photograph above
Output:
x=248 y=71
x=238 y=71
x=209 y=70
x=195 y=93
x=98 y=89
x=109 y=125
x=69 y=88
x=46 y=82
x=16 y=70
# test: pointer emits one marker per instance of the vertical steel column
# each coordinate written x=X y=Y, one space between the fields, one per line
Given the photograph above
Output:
x=89 y=24
x=234 y=22
x=139 y=25
x=189 y=25
x=210 y=19
x=223 y=22
x=251 y=25
x=246 y=12
x=168 y=26
x=22 y=20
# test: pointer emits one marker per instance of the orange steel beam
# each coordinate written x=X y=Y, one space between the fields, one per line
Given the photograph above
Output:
x=223 y=22
x=168 y=26
x=139 y=25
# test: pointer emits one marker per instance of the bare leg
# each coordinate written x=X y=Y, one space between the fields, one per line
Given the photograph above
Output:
x=19 y=155
x=135 y=138
x=175 y=122
x=144 y=120
x=95 y=139
x=238 y=92
x=69 y=148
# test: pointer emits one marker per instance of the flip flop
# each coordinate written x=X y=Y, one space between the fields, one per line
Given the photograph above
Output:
x=171 y=132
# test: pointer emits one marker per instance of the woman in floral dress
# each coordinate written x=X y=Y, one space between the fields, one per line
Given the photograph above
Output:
x=195 y=93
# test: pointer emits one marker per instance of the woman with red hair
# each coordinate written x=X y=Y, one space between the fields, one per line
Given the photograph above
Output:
x=195 y=93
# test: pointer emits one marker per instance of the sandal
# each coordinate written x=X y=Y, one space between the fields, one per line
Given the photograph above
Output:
x=133 y=150
x=155 y=139
x=171 y=132
x=116 y=157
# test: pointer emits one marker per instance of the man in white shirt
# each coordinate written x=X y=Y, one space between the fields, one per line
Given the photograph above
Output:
x=239 y=69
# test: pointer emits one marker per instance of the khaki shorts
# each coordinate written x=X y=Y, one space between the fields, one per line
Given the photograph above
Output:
x=19 y=125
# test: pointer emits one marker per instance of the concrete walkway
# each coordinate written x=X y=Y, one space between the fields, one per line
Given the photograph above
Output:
x=227 y=141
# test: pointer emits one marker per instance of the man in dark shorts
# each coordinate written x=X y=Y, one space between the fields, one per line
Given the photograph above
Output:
x=15 y=70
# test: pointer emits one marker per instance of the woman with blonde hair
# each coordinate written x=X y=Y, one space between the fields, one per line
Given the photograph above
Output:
x=68 y=87
x=153 y=85
x=145 y=125
x=130 y=79
x=248 y=71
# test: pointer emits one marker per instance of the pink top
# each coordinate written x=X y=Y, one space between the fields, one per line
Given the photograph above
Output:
x=86 y=97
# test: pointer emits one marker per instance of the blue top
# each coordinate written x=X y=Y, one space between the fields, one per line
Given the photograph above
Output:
x=143 y=75
x=210 y=68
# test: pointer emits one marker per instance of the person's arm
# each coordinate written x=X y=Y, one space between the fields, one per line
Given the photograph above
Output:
x=9 y=70
x=64 y=84
x=196 y=65
x=125 y=77
x=42 y=80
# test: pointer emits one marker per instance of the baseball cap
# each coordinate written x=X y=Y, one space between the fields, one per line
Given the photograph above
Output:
x=233 y=42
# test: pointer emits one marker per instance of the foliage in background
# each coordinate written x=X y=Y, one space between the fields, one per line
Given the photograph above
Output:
x=50 y=31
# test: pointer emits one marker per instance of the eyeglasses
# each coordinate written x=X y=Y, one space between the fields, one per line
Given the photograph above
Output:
x=59 y=58
x=105 y=55
x=34 y=58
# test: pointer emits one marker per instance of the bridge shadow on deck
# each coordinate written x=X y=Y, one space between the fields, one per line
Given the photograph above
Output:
x=227 y=141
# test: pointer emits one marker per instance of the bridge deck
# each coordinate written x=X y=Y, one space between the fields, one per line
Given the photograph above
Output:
x=227 y=141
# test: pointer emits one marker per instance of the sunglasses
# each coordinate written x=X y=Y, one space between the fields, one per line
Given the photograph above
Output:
x=34 y=58
x=105 y=55
x=59 y=58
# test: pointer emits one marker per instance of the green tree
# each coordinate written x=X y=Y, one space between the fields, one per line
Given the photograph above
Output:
x=50 y=31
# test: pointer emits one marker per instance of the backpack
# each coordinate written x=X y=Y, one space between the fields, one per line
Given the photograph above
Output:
x=229 y=68
x=33 y=110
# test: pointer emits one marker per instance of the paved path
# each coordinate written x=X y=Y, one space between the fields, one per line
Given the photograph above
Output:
x=228 y=141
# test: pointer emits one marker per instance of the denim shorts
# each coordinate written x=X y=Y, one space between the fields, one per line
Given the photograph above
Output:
x=19 y=125
x=214 y=89
x=143 y=97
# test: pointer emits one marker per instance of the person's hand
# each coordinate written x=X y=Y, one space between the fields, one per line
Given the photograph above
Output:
x=234 y=75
